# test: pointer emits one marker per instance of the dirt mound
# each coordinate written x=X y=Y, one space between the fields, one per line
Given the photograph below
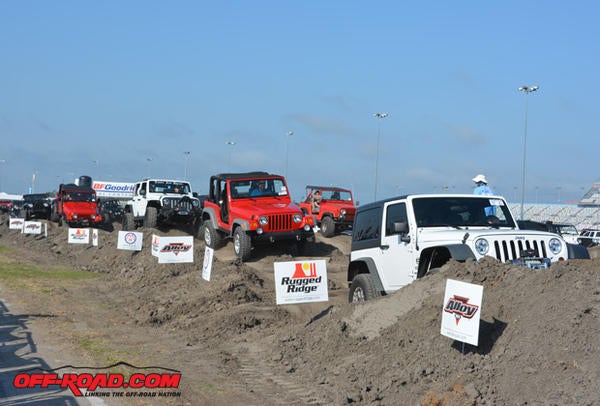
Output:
x=538 y=338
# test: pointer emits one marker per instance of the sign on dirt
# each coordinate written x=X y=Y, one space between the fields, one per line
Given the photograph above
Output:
x=462 y=311
x=301 y=282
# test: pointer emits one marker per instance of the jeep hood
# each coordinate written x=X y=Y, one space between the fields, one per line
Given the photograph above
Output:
x=265 y=206
x=82 y=209
x=438 y=234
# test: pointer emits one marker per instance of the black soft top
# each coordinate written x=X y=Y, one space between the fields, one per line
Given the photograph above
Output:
x=74 y=187
x=337 y=189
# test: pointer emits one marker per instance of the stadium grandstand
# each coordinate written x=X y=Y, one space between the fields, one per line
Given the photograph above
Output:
x=582 y=214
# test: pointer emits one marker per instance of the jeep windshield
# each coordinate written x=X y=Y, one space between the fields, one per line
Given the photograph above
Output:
x=157 y=186
x=336 y=195
x=462 y=212
x=256 y=188
x=79 y=197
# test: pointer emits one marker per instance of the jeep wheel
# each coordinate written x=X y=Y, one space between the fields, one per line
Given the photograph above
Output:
x=54 y=213
x=106 y=218
x=212 y=238
x=24 y=215
x=150 y=217
x=362 y=289
x=128 y=222
x=61 y=220
x=242 y=244
x=327 y=226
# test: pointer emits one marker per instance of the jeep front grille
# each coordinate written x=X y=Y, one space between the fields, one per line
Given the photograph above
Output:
x=507 y=250
x=181 y=204
x=281 y=222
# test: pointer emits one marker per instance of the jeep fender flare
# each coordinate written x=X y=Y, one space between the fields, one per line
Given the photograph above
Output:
x=208 y=213
x=365 y=265
x=435 y=257
x=577 y=251
x=239 y=223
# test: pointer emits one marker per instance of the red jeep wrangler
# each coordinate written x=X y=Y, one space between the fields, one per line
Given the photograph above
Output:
x=333 y=208
x=76 y=204
x=252 y=208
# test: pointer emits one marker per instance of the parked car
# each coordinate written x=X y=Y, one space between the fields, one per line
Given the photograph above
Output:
x=568 y=231
x=36 y=205
x=253 y=209
x=334 y=210
x=398 y=240
x=589 y=238
x=75 y=204
x=6 y=206
x=111 y=210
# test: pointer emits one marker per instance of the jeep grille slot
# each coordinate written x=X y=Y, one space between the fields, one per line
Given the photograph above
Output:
x=281 y=222
x=508 y=250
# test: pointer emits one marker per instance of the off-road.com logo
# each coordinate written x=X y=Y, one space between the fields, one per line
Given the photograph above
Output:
x=89 y=382
x=459 y=306
x=176 y=247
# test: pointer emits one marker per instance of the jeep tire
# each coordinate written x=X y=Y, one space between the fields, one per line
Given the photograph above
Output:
x=128 y=222
x=150 y=217
x=54 y=213
x=362 y=289
x=327 y=226
x=212 y=238
x=242 y=244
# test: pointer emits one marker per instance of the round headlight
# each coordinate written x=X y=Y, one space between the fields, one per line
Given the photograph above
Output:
x=555 y=245
x=195 y=203
x=166 y=202
x=482 y=246
x=297 y=218
x=343 y=212
x=263 y=220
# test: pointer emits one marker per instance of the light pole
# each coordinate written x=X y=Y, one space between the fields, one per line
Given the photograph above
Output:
x=96 y=162
x=378 y=116
x=231 y=144
x=526 y=90
x=287 y=145
x=187 y=158
x=2 y=162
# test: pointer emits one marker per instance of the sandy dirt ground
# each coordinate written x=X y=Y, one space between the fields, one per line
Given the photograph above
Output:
x=539 y=336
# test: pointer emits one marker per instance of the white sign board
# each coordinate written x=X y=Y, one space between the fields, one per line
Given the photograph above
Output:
x=207 y=264
x=32 y=227
x=301 y=282
x=462 y=311
x=16 y=224
x=155 y=244
x=130 y=240
x=172 y=250
x=79 y=236
x=113 y=189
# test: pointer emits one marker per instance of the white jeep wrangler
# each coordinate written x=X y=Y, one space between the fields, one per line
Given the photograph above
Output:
x=398 y=240
x=158 y=202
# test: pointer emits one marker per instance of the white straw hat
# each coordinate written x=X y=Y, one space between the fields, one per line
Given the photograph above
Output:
x=480 y=178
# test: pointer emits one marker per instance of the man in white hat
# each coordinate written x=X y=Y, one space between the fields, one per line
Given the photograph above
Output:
x=482 y=188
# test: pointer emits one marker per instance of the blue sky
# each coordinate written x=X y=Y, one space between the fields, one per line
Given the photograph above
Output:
x=99 y=88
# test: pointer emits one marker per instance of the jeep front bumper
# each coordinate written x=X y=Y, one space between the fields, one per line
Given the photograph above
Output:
x=272 y=237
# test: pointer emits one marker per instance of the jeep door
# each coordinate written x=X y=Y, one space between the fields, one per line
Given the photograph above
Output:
x=139 y=200
x=397 y=252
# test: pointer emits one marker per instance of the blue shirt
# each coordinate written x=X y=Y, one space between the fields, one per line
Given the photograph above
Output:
x=483 y=189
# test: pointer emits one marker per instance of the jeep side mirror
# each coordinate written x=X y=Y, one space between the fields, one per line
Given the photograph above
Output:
x=400 y=227
x=143 y=192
